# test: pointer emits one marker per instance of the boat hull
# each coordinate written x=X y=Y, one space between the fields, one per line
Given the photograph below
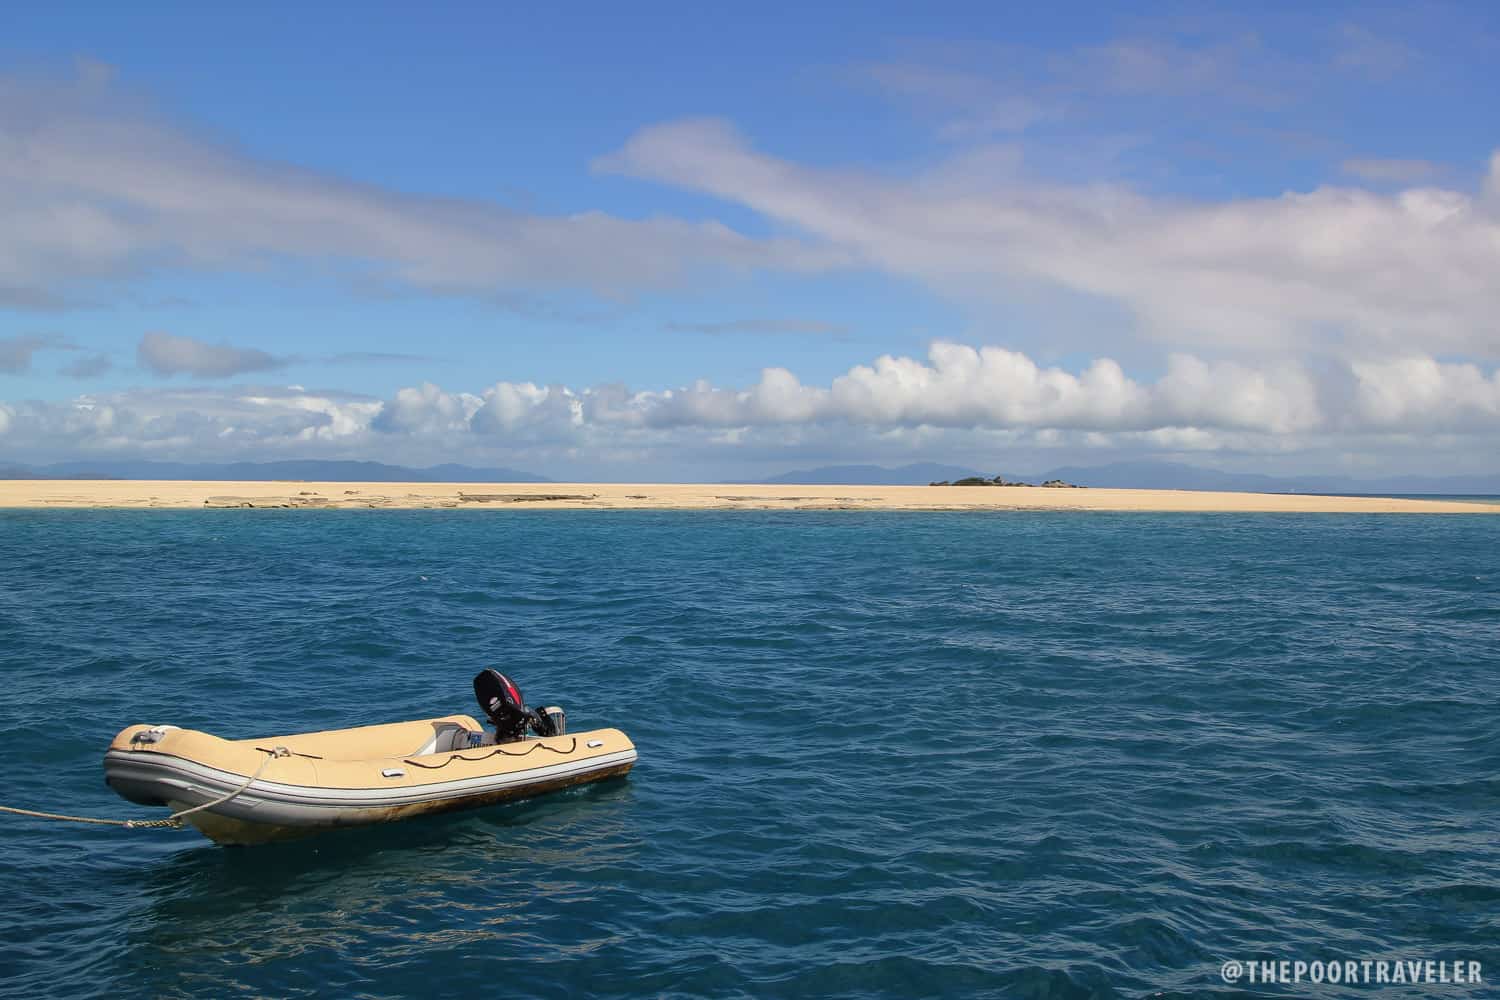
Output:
x=302 y=793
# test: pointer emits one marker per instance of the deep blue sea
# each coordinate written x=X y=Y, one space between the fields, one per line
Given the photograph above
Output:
x=1029 y=754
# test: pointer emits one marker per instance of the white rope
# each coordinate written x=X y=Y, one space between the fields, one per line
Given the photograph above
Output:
x=133 y=823
x=174 y=820
x=271 y=755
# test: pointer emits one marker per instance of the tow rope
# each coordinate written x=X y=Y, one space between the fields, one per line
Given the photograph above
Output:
x=174 y=820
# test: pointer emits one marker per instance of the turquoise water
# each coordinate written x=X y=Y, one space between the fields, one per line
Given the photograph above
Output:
x=1018 y=754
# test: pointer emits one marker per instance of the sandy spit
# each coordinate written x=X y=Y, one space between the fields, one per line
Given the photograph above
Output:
x=676 y=496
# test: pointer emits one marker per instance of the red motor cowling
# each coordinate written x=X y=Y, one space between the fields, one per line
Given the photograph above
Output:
x=502 y=704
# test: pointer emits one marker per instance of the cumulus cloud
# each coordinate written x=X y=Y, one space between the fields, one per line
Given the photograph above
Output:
x=94 y=187
x=989 y=388
x=529 y=411
x=1420 y=394
x=169 y=354
x=426 y=409
x=16 y=352
x=1339 y=270
x=896 y=406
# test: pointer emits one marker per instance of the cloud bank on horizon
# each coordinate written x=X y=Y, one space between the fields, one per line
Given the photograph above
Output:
x=900 y=404
x=1285 y=298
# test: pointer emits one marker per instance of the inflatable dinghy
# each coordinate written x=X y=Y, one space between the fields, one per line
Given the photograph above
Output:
x=278 y=788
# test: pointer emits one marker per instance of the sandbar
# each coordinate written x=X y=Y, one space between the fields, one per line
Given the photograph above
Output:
x=63 y=493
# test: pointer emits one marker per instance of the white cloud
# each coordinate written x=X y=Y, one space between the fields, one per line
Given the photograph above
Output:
x=1420 y=394
x=988 y=388
x=426 y=409
x=169 y=354
x=1340 y=270
x=93 y=188
x=524 y=411
x=959 y=397
x=186 y=423
x=1279 y=399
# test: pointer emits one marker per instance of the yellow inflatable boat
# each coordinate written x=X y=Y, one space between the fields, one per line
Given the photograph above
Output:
x=258 y=790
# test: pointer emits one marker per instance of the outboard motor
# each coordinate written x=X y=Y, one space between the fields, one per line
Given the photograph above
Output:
x=503 y=705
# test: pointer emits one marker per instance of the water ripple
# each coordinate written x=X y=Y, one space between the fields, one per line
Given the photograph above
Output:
x=1030 y=755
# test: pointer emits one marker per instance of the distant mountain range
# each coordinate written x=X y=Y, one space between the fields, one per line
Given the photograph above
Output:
x=1119 y=475
x=1176 y=476
x=871 y=475
x=309 y=470
x=1148 y=476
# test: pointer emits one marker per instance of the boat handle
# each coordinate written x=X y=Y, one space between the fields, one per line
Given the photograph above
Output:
x=596 y=743
x=392 y=772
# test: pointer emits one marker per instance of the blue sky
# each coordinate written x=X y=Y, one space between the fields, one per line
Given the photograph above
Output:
x=675 y=242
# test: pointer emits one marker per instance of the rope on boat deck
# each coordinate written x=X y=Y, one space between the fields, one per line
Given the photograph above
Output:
x=497 y=751
x=174 y=820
